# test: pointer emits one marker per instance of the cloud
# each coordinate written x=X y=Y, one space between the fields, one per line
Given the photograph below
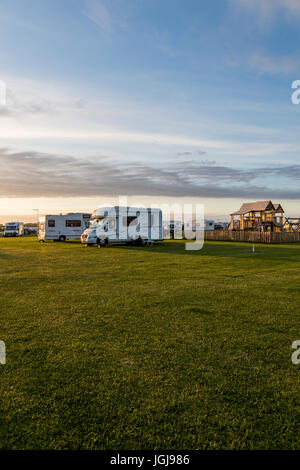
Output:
x=35 y=174
x=16 y=107
x=188 y=153
x=99 y=14
x=267 y=64
x=51 y=114
x=266 y=12
x=266 y=8
x=271 y=65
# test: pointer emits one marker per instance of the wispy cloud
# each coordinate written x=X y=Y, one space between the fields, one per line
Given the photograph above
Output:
x=15 y=107
x=41 y=111
x=35 y=174
x=266 y=10
x=273 y=65
x=98 y=12
x=188 y=153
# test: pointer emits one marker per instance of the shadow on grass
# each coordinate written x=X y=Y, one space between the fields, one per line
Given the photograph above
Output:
x=6 y=255
x=221 y=249
x=230 y=250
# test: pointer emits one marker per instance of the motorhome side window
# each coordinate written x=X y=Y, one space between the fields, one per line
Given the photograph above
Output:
x=111 y=223
x=73 y=223
x=51 y=223
x=129 y=221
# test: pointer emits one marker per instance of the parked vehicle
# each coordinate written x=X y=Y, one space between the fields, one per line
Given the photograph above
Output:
x=173 y=229
x=221 y=226
x=14 y=229
x=30 y=230
x=124 y=224
x=63 y=227
x=197 y=225
x=209 y=224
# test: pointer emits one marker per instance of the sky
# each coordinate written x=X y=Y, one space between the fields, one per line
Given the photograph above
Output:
x=162 y=101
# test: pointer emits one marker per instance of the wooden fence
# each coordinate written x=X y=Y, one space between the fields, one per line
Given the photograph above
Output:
x=252 y=237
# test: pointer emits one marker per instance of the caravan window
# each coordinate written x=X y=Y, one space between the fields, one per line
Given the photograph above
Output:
x=73 y=223
x=129 y=221
x=51 y=223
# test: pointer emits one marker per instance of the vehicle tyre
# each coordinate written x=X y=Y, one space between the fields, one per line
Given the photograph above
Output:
x=62 y=238
x=101 y=243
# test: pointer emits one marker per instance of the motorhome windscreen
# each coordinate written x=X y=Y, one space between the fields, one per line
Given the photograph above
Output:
x=11 y=227
x=126 y=221
x=95 y=222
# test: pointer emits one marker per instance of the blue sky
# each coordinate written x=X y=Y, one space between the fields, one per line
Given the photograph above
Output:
x=161 y=100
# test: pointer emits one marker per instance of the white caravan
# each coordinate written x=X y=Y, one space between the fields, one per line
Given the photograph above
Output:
x=124 y=224
x=14 y=229
x=63 y=227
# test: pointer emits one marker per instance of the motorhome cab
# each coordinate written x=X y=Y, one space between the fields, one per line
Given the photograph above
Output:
x=124 y=224
x=63 y=227
x=14 y=229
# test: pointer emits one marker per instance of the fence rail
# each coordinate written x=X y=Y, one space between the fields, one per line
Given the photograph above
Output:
x=252 y=237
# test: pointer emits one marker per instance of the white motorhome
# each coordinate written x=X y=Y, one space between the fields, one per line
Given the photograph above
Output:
x=124 y=224
x=14 y=229
x=63 y=227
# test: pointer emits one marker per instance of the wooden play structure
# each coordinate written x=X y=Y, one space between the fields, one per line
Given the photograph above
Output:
x=260 y=216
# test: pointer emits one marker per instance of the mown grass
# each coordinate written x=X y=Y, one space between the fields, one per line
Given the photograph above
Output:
x=149 y=348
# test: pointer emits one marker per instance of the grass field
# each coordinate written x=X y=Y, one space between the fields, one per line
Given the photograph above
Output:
x=149 y=348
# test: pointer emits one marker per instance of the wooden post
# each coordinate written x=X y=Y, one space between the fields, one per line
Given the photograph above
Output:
x=242 y=227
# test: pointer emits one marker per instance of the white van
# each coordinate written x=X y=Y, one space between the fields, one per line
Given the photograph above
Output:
x=63 y=227
x=124 y=224
x=14 y=229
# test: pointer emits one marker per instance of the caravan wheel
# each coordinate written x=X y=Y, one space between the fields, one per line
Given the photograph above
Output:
x=62 y=238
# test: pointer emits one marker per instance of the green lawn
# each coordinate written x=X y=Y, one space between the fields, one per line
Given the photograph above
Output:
x=149 y=348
